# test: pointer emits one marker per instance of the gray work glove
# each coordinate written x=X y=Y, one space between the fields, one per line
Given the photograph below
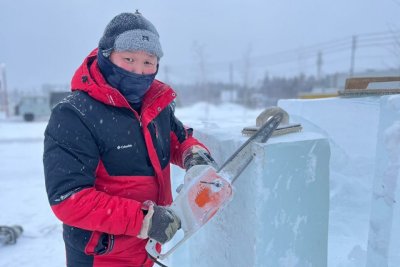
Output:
x=160 y=224
x=197 y=155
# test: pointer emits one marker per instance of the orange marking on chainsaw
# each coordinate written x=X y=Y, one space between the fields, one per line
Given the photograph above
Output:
x=203 y=197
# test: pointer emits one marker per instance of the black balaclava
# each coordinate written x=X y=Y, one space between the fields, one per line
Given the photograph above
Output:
x=128 y=32
x=131 y=85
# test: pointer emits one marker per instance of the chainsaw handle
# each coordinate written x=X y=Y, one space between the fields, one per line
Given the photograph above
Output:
x=195 y=211
x=151 y=248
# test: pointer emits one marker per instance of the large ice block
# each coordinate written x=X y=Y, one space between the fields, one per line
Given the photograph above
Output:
x=351 y=126
x=384 y=233
x=364 y=135
x=279 y=213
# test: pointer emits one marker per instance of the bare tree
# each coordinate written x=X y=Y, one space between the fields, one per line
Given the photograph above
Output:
x=247 y=73
x=397 y=40
x=199 y=54
x=247 y=66
x=395 y=49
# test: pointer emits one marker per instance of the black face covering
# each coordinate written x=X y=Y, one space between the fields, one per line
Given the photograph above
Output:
x=131 y=85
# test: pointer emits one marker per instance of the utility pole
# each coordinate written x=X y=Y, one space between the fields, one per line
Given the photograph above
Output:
x=199 y=51
x=231 y=74
x=319 y=65
x=3 y=90
x=301 y=61
x=232 y=90
x=353 y=54
x=246 y=67
x=246 y=75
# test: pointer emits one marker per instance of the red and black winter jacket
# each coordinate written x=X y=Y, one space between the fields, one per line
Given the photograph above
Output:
x=102 y=160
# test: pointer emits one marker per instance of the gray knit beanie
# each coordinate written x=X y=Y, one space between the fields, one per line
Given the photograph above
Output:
x=130 y=32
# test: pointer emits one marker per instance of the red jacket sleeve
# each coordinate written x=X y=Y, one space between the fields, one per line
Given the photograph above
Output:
x=97 y=211
x=181 y=139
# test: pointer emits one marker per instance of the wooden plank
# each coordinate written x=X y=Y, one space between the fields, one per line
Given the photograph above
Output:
x=362 y=82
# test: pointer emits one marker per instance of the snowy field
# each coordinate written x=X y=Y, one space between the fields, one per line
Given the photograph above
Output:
x=24 y=200
x=23 y=197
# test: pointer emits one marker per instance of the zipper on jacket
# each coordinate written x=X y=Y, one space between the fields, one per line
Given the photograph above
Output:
x=110 y=243
x=144 y=107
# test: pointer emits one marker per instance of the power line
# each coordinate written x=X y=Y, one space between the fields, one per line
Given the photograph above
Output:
x=312 y=52
x=334 y=45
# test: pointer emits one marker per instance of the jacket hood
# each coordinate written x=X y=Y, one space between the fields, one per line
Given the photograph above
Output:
x=88 y=78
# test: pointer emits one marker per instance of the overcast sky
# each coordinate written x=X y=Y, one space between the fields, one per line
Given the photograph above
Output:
x=44 y=41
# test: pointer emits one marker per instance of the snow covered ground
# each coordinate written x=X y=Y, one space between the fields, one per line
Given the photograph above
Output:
x=23 y=199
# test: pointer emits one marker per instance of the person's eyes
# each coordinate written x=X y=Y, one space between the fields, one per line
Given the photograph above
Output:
x=148 y=63
x=129 y=60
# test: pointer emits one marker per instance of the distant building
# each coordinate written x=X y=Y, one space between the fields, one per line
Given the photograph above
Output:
x=36 y=107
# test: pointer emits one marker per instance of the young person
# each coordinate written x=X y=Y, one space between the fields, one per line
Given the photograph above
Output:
x=108 y=149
